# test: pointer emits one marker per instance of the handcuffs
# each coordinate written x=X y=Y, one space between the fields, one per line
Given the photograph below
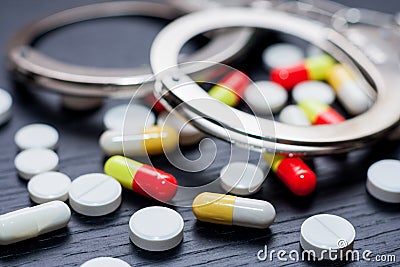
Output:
x=365 y=41
x=78 y=83
x=352 y=36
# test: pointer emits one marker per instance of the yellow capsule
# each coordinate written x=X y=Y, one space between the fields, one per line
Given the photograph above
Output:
x=232 y=210
x=154 y=140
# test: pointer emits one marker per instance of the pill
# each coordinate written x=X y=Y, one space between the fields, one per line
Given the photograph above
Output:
x=320 y=113
x=232 y=210
x=36 y=135
x=5 y=106
x=383 y=180
x=327 y=236
x=30 y=222
x=264 y=97
x=155 y=140
x=188 y=134
x=154 y=103
x=282 y=55
x=156 y=228
x=49 y=186
x=231 y=88
x=349 y=93
x=141 y=178
x=241 y=178
x=294 y=173
x=312 y=68
x=294 y=115
x=34 y=161
x=94 y=194
x=105 y=262
x=313 y=90
x=132 y=118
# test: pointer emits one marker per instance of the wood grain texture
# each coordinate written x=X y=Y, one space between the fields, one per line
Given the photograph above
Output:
x=341 y=179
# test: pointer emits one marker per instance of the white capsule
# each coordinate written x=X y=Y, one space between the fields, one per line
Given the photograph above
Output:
x=294 y=115
x=353 y=99
x=154 y=140
x=30 y=222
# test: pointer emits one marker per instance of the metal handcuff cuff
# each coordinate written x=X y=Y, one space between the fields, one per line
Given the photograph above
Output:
x=87 y=86
x=333 y=28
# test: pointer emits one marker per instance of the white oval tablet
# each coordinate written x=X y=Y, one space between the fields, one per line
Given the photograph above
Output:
x=313 y=90
x=105 y=262
x=241 y=178
x=294 y=115
x=33 y=161
x=133 y=118
x=188 y=134
x=384 y=180
x=282 y=55
x=49 y=186
x=5 y=106
x=95 y=194
x=36 y=136
x=324 y=232
x=156 y=228
x=263 y=94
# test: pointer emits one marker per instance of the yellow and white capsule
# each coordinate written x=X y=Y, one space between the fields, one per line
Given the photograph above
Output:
x=348 y=91
x=153 y=140
x=232 y=210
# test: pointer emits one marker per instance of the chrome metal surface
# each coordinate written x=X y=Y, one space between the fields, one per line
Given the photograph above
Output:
x=30 y=65
x=265 y=135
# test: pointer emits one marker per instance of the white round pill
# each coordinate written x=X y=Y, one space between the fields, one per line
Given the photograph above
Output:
x=264 y=97
x=34 y=161
x=5 y=106
x=188 y=134
x=95 y=194
x=313 y=90
x=323 y=232
x=36 y=136
x=241 y=178
x=282 y=55
x=156 y=228
x=383 y=180
x=105 y=262
x=133 y=118
x=49 y=186
x=294 y=115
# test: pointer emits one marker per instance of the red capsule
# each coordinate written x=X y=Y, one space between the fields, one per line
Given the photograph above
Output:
x=294 y=173
x=141 y=178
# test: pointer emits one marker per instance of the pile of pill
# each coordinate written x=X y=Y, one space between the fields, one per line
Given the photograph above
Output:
x=309 y=85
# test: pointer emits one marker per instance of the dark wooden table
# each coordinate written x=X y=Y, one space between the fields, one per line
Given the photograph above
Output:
x=121 y=42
